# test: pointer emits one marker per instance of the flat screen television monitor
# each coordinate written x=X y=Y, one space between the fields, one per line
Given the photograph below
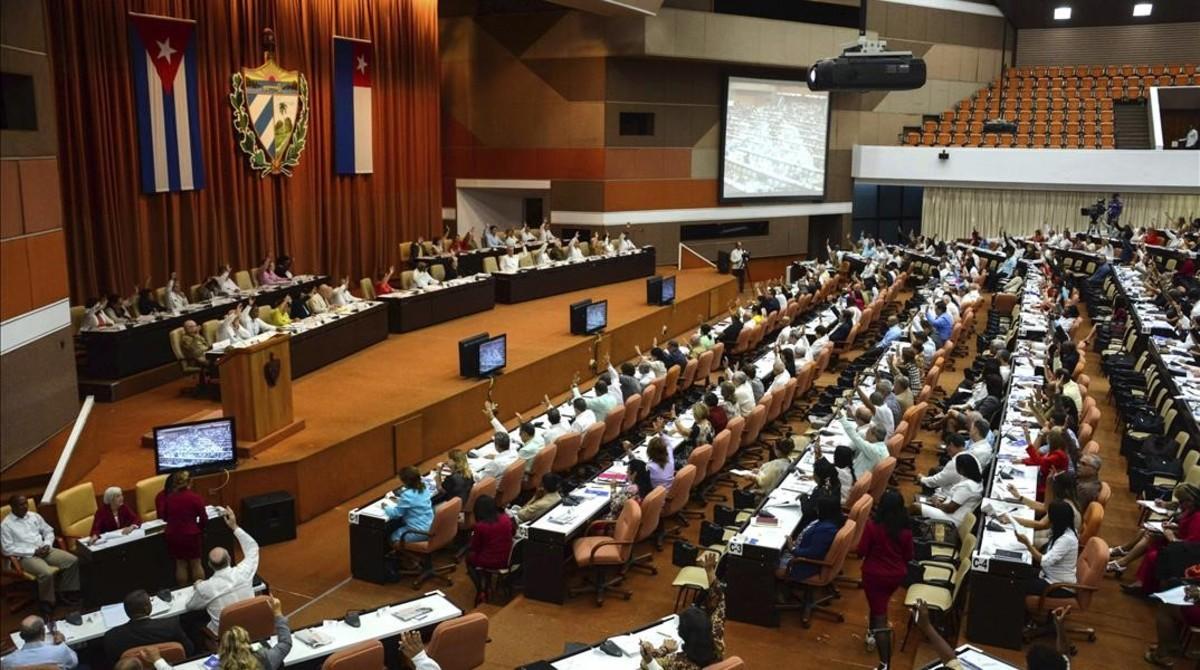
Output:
x=493 y=355
x=198 y=446
x=468 y=355
x=596 y=317
x=774 y=140
x=660 y=290
x=578 y=316
x=668 y=291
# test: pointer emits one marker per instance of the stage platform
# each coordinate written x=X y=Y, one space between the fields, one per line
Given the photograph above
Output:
x=401 y=401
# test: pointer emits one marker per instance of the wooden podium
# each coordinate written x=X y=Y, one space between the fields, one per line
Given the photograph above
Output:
x=256 y=389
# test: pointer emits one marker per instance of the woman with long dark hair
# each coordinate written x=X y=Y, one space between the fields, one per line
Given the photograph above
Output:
x=1058 y=558
x=491 y=542
x=886 y=547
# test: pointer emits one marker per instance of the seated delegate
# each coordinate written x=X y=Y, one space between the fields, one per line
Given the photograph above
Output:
x=114 y=515
x=141 y=629
x=37 y=651
x=411 y=506
x=229 y=583
x=26 y=536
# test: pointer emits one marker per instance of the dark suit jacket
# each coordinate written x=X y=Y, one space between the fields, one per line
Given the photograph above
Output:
x=629 y=386
x=840 y=333
x=144 y=631
x=730 y=335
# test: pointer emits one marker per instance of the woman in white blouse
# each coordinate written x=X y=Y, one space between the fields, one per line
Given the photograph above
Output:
x=1057 y=559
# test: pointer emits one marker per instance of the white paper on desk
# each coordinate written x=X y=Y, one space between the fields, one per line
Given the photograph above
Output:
x=1153 y=506
x=1173 y=596
x=741 y=473
x=973 y=660
x=1153 y=526
x=114 y=615
x=629 y=645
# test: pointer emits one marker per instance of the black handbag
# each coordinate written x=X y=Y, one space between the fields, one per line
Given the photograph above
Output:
x=711 y=533
x=724 y=515
x=684 y=554
x=744 y=499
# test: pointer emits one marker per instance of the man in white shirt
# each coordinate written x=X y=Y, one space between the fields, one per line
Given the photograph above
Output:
x=341 y=296
x=421 y=278
x=26 y=536
x=602 y=402
x=743 y=394
x=531 y=442
x=229 y=583
x=626 y=245
x=510 y=262
x=226 y=283
x=868 y=451
x=948 y=476
x=574 y=253
x=881 y=414
x=495 y=466
x=980 y=447
x=176 y=300
x=555 y=426
x=737 y=263
x=248 y=317
x=781 y=377
x=584 y=417
x=231 y=327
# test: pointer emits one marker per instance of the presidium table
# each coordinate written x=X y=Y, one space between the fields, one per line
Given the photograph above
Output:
x=115 y=353
x=412 y=309
x=563 y=277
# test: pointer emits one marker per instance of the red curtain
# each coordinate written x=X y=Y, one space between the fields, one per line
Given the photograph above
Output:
x=343 y=225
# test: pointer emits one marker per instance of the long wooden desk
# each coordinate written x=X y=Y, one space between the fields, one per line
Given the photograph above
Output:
x=120 y=563
x=414 y=309
x=592 y=658
x=114 y=353
x=539 y=282
x=326 y=338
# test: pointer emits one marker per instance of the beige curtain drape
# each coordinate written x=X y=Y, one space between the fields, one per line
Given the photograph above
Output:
x=952 y=213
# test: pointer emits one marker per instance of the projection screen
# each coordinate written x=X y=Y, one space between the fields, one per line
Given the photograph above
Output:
x=774 y=139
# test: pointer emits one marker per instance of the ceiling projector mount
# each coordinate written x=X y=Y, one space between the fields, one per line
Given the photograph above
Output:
x=866 y=65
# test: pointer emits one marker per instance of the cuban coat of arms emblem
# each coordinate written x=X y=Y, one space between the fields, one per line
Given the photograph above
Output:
x=270 y=113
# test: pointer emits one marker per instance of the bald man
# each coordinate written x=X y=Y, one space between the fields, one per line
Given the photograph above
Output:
x=36 y=650
x=229 y=583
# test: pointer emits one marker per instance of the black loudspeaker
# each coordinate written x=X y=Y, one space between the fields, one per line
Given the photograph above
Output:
x=723 y=265
x=270 y=517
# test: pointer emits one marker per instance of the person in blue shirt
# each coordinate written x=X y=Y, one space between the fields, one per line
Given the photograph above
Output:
x=37 y=651
x=941 y=322
x=412 y=506
x=894 y=332
x=814 y=542
x=491 y=239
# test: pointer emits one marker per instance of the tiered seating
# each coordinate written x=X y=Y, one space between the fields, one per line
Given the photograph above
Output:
x=1054 y=107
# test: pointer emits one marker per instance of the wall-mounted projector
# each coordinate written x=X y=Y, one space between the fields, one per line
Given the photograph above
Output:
x=865 y=66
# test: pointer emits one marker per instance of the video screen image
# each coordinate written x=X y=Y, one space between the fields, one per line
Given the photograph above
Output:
x=492 y=355
x=668 y=289
x=775 y=140
x=195 y=445
x=597 y=316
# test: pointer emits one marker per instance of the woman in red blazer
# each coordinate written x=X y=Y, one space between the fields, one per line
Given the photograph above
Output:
x=115 y=515
x=185 y=514
x=1055 y=460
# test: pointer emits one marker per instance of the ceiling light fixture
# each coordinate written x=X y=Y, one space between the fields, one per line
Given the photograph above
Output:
x=1062 y=13
x=1142 y=9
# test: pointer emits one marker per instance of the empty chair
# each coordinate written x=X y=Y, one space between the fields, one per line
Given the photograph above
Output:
x=460 y=644
x=607 y=556
x=566 y=451
x=253 y=614
x=367 y=655
x=652 y=508
x=76 y=508
x=144 y=492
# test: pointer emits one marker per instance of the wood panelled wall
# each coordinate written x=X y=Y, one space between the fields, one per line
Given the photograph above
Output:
x=1165 y=43
x=38 y=391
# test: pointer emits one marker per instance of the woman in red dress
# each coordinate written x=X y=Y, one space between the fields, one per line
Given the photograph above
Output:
x=1185 y=529
x=491 y=543
x=184 y=512
x=887 y=547
x=115 y=515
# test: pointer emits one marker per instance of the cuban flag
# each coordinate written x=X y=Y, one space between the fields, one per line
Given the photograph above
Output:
x=353 y=62
x=163 y=51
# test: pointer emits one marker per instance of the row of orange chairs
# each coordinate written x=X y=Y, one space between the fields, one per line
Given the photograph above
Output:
x=1046 y=83
x=1027 y=115
x=1024 y=127
x=982 y=101
x=1032 y=140
x=1098 y=70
